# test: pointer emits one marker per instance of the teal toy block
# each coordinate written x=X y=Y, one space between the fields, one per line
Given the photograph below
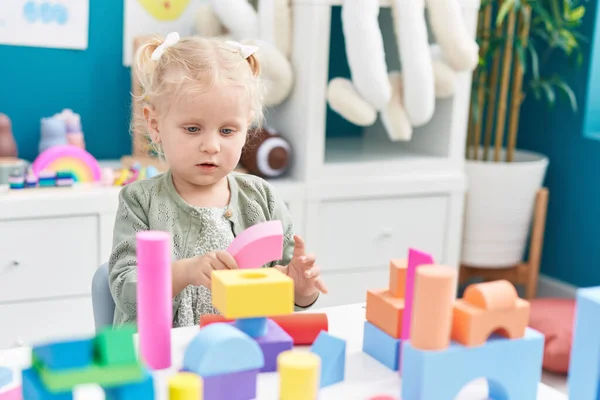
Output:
x=253 y=327
x=221 y=348
x=512 y=367
x=381 y=346
x=584 y=364
x=72 y=354
x=34 y=389
x=6 y=376
x=141 y=390
x=332 y=351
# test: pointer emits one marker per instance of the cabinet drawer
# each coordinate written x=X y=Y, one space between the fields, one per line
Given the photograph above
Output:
x=42 y=258
x=368 y=233
x=34 y=322
x=351 y=287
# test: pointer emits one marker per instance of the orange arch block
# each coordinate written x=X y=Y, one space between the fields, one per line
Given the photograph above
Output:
x=486 y=308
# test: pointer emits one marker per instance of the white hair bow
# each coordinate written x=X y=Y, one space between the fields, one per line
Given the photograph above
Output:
x=244 y=49
x=170 y=40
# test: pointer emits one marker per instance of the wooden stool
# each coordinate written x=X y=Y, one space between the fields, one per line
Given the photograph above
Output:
x=525 y=273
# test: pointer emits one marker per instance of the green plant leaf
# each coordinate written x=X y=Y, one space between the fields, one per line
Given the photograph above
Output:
x=575 y=14
x=535 y=61
x=549 y=91
x=566 y=89
x=506 y=6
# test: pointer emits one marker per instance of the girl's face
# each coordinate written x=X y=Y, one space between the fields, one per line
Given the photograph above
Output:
x=203 y=135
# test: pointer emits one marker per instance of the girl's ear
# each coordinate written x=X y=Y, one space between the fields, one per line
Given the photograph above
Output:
x=152 y=123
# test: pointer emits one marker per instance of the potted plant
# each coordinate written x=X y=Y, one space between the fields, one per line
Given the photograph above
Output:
x=516 y=37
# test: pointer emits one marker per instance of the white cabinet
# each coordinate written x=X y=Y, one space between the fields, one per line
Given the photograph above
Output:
x=51 y=242
x=47 y=257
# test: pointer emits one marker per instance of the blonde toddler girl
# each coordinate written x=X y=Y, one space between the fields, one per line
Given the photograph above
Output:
x=201 y=98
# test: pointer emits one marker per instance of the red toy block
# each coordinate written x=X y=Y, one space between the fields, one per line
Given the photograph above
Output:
x=302 y=327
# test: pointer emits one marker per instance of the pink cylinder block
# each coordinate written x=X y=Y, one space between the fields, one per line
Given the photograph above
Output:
x=154 y=298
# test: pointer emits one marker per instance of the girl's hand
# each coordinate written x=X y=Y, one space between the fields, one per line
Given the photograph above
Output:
x=200 y=268
x=304 y=272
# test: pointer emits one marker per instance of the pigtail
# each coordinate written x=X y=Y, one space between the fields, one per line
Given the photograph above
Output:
x=254 y=64
x=144 y=75
x=143 y=65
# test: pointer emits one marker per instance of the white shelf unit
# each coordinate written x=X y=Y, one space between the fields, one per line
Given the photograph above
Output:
x=369 y=199
x=303 y=118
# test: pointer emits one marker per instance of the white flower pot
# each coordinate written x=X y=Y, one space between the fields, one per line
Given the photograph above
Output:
x=499 y=209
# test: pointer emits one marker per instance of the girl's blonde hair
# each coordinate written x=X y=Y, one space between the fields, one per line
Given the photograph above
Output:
x=192 y=65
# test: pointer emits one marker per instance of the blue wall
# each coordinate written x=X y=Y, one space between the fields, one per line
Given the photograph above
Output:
x=572 y=241
x=93 y=83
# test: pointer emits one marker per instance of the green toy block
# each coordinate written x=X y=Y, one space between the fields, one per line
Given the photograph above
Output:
x=114 y=347
x=62 y=380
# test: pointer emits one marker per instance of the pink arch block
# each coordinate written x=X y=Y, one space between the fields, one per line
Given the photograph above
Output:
x=258 y=245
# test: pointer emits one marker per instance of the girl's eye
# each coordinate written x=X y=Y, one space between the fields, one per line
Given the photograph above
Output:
x=226 y=131
x=192 y=129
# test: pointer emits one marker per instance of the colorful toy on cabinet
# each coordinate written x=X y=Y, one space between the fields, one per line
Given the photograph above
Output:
x=61 y=129
x=136 y=172
x=8 y=145
x=267 y=154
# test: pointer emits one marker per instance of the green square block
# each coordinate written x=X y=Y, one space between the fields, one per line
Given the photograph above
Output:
x=115 y=347
x=63 y=380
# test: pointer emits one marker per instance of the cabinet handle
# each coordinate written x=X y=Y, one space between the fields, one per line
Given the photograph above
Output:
x=12 y=265
x=386 y=234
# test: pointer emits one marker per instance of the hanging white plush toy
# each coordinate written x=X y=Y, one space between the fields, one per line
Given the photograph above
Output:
x=269 y=28
x=407 y=99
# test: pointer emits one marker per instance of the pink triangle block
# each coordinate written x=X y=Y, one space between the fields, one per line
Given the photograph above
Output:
x=415 y=258
x=258 y=245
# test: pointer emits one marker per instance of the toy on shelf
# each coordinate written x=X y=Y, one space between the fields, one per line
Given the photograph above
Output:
x=83 y=166
x=135 y=172
x=8 y=145
x=267 y=154
x=405 y=99
x=61 y=129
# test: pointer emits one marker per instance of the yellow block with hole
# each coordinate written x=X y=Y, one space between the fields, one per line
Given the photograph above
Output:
x=185 y=386
x=252 y=293
x=299 y=375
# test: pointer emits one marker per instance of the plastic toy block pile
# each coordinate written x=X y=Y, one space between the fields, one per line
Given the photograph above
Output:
x=418 y=327
x=415 y=326
x=255 y=333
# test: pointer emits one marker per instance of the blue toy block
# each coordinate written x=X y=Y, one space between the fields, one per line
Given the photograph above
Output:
x=72 y=354
x=381 y=346
x=143 y=389
x=221 y=348
x=332 y=352
x=584 y=364
x=513 y=368
x=253 y=327
x=6 y=376
x=34 y=389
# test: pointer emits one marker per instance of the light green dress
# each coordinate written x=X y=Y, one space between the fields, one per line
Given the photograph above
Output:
x=216 y=235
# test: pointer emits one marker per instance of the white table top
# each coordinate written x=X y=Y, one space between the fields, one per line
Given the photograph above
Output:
x=365 y=377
